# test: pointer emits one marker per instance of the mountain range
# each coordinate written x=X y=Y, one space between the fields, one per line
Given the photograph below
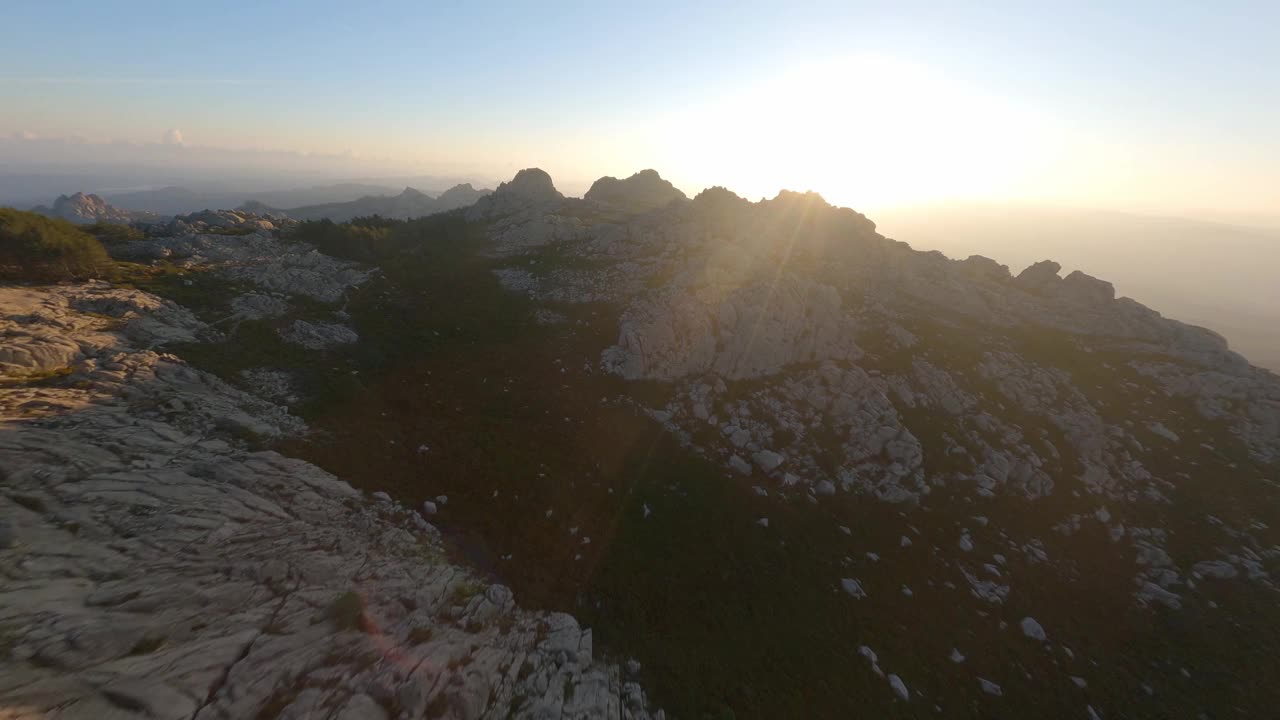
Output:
x=410 y=203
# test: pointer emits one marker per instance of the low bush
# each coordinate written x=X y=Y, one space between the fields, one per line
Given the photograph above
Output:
x=37 y=248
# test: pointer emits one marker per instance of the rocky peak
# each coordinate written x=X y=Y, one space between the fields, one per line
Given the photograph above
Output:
x=644 y=190
x=530 y=188
x=85 y=208
x=461 y=196
x=531 y=183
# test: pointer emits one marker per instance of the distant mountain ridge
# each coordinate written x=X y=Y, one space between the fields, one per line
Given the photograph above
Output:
x=178 y=200
x=410 y=203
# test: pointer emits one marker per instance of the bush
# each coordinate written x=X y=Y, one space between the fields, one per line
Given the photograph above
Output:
x=114 y=233
x=34 y=247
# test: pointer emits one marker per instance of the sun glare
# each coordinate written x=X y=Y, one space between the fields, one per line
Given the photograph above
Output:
x=866 y=131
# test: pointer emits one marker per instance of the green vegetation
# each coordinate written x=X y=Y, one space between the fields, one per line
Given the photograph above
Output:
x=113 y=233
x=36 y=248
x=464 y=591
x=44 y=377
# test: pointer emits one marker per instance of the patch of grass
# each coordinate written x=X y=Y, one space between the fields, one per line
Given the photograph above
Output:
x=438 y=707
x=346 y=612
x=148 y=644
x=41 y=378
x=506 y=623
x=204 y=292
x=420 y=634
x=464 y=591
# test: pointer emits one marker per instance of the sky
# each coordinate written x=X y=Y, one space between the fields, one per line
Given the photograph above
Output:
x=1166 y=107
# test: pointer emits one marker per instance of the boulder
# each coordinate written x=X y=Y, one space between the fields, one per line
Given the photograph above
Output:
x=1088 y=289
x=1040 y=276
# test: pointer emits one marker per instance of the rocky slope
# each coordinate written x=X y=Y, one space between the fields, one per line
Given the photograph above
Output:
x=819 y=361
x=155 y=566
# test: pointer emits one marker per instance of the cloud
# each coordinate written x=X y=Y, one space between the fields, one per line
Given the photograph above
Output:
x=172 y=136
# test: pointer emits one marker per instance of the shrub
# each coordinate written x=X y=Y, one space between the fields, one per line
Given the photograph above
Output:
x=114 y=233
x=34 y=247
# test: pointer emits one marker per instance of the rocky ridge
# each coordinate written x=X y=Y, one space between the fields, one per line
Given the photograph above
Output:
x=410 y=203
x=816 y=356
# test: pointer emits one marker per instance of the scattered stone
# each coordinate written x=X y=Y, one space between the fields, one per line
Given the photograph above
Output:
x=899 y=687
x=853 y=587
x=768 y=460
x=1032 y=629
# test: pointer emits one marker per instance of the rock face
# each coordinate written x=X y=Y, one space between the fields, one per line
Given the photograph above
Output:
x=645 y=190
x=156 y=567
x=529 y=189
x=793 y=335
x=87 y=209
x=259 y=220
x=318 y=336
x=269 y=263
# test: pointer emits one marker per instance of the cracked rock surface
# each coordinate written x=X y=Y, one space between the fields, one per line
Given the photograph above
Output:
x=152 y=565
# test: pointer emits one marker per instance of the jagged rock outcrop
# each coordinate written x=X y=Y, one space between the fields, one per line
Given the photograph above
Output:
x=737 y=330
x=218 y=221
x=530 y=189
x=522 y=213
x=838 y=360
x=157 y=567
x=86 y=209
x=318 y=336
x=642 y=191
x=271 y=264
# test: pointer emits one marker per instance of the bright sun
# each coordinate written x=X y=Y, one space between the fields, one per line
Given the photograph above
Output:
x=867 y=132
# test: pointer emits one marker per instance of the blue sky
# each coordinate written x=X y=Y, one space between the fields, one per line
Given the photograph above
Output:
x=1123 y=101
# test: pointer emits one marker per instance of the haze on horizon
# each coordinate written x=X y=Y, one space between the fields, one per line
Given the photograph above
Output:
x=1166 y=108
